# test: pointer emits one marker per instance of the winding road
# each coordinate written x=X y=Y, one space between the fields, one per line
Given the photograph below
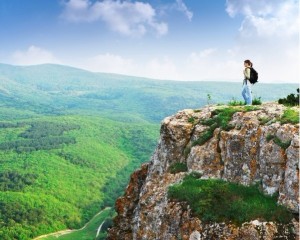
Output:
x=67 y=231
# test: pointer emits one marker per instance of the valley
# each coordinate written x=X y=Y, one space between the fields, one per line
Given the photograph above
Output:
x=69 y=139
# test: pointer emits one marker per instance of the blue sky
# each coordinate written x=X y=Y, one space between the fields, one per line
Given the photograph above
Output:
x=170 y=39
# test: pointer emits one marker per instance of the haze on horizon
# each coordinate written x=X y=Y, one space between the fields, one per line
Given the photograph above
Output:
x=172 y=39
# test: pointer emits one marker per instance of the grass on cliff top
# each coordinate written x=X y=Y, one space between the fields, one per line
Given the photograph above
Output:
x=220 y=119
x=234 y=102
x=290 y=116
x=219 y=201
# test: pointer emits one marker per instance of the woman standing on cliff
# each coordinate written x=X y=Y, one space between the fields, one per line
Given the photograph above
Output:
x=246 y=90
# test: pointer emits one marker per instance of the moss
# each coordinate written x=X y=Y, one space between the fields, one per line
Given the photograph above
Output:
x=278 y=141
x=215 y=200
x=187 y=151
x=178 y=167
x=191 y=120
x=204 y=137
x=228 y=127
x=220 y=119
x=264 y=120
x=269 y=137
x=195 y=175
x=282 y=144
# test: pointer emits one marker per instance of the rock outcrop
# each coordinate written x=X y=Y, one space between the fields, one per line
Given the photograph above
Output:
x=248 y=152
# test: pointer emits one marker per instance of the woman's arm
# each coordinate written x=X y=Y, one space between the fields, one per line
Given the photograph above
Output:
x=247 y=73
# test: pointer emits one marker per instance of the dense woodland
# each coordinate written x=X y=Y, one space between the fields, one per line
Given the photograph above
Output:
x=65 y=182
x=69 y=139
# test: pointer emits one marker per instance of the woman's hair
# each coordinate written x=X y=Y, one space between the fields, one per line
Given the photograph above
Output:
x=248 y=62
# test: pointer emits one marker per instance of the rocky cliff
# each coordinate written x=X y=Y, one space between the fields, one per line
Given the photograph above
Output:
x=250 y=145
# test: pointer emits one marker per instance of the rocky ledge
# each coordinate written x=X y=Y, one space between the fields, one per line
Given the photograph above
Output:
x=257 y=145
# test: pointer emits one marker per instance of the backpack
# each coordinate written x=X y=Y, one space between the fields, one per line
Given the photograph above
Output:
x=253 y=76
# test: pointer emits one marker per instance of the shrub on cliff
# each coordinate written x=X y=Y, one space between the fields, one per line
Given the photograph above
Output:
x=257 y=101
x=215 y=200
x=290 y=100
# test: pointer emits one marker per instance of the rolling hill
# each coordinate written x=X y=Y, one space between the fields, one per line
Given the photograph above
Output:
x=70 y=138
x=56 y=89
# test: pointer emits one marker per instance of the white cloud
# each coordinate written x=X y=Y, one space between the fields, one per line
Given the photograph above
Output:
x=161 y=68
x=207 y=52
x=158 y=68
x=33 y=55
x=183 y=8
x=267 y=18
x=109 y=63
x=268 y=35
x=78 y=5
x=212 y=64
x=176 y=6
x=125 y=17
x=196 y=66
x=250 y=7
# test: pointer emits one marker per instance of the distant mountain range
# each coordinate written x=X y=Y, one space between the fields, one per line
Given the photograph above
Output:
x=58 y=89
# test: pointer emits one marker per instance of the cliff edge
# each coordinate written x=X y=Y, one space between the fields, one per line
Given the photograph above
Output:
x=248 y=145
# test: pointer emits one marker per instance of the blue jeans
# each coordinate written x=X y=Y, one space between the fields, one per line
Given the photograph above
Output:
x=246 y=92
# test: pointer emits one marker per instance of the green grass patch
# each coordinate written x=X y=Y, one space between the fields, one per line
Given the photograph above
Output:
x=290 y=116
x=250 y=108
x=220 y=119
x=219 y=201
x=178 y=167
x=257 y=101
x=235 y=102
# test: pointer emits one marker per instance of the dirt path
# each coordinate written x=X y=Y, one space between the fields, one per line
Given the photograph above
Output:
x=67 y=231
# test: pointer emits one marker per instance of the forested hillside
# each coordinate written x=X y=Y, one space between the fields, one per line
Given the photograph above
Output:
x=69 y=139
x=57 y=172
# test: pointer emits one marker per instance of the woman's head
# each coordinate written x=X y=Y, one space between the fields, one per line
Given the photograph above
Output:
x=248 y=63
